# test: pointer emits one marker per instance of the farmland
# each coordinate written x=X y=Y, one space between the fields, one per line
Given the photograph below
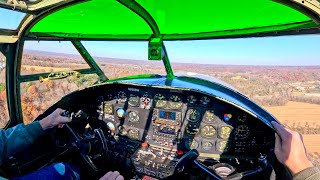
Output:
x=301 y=117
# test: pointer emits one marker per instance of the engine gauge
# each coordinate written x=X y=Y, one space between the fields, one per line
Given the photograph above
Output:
x=160 y=100
x=193 y=115
x=145 y=101
x=207 y=146
x=242 y=117
x=242 y=132
x=133 y=101
x=175 y=102
x=205 y=100
x=133 y=116
x=192 y=129
x=122 y=97
x=107 y=108
x=133 y=133
x=223 y=146
x=209 y=117
x=225 y=132
x=192 y=100
x=208 y=131
x=191 y=144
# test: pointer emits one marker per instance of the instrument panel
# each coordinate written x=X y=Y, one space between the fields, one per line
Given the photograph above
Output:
x=182 y=120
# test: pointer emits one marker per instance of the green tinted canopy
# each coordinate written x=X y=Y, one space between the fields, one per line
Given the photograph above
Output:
x=170 y=19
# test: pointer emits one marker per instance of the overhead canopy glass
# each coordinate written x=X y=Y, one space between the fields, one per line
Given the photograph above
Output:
x=179 y=19
x=10 y=19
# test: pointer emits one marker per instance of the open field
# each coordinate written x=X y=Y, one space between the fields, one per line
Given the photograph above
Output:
x=296 y=112
x=300 y=113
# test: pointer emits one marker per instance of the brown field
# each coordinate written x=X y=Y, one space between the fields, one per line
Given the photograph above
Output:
x=296 y=112
x=53 y=69
x=300 y=113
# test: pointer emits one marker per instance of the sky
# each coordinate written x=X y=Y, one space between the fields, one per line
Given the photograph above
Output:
x=287 y=50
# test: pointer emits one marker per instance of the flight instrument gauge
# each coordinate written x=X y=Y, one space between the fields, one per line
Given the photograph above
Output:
x=122 y=97
x=192 y=100
x=193 y=115
x=192 y=129
x=133 y=133
x=242 y=132
x=145 y=101
x=205 y=100
x=225 y=132
x=191 y=144
x=207 y=146
x=107 y=108
x=160 y=100
x=209 y=117
x=133 y=116
x=242 y=117
x=133 y=101
x=208 y=131
x=175 y=102
x=223 y=146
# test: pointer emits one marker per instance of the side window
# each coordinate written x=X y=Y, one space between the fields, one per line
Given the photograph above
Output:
x=46 y=57
x=4 y=113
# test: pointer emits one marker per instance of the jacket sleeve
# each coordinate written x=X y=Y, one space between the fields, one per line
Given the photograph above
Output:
x=312 y=173
x=17 y=138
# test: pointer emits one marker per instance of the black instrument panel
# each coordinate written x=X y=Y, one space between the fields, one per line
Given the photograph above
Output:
x=182 y=120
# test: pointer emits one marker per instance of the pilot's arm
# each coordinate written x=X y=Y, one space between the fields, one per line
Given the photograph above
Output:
x=17 y=138
x=291 y=152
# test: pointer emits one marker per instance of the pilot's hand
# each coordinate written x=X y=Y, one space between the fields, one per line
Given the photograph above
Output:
x=54 y=119
x=112 y=176
x=290 y=150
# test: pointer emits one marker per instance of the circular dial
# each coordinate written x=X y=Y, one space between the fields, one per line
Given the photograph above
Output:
x=160 y=100
x=133 y=133
x=242 y=117
x=242 y=132
x=223 y=146
x=207 y=146
x=208 y=131
x=133 y=101
x=145 y=101
x=192 y=129
x=122 y=96
x=133 y=116
x=175 y=102
x=209 y=116
x=191 y=144
x=192 y=100
x=225 y=132
x=205 y=100
x=107 y=108
x=193 y=115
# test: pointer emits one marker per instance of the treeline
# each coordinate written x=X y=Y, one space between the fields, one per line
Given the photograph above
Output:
x=304 y=128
